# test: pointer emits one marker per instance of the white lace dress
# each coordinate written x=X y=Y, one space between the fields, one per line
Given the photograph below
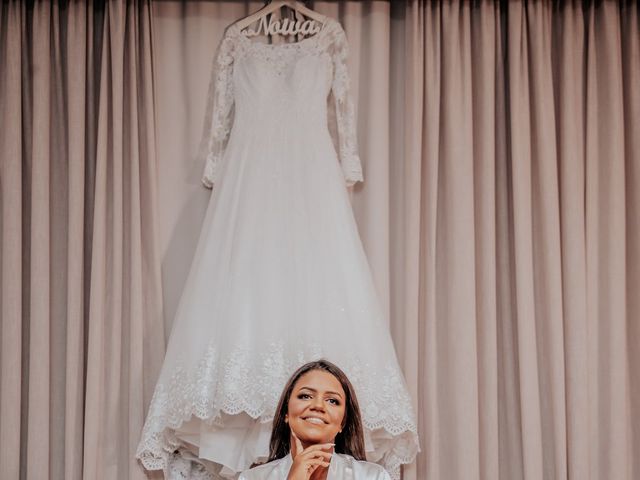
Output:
x=279 y=277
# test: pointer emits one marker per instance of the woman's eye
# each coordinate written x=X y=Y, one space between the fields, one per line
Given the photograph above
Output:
x=334 y=401
x=304 y=396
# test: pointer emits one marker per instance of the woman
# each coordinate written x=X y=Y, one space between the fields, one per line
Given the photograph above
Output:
x=317 y=431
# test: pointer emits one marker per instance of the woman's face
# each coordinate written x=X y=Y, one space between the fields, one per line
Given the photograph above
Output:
x=316 y=407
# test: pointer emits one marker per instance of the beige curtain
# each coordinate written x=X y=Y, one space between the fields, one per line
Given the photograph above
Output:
x=519 y=314
x=80 y=299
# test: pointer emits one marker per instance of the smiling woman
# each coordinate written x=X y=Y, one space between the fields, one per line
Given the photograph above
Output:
x=317 y=430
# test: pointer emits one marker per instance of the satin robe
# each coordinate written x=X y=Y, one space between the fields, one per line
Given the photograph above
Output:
x=341 y=467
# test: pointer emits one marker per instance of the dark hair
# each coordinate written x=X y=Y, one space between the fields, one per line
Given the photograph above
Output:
x=349 y=441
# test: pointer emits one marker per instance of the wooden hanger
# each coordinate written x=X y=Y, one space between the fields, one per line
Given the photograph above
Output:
x=273 y=6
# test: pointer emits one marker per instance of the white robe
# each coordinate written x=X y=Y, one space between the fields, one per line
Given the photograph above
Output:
x=342 y=467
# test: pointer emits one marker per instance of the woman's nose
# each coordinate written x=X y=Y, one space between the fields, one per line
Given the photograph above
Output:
x=318 y=404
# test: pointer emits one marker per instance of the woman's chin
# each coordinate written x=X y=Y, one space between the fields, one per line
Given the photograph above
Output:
x=313 y=435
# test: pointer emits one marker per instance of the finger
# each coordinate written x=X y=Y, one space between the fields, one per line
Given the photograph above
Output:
x=315 y=463
x=315 y=454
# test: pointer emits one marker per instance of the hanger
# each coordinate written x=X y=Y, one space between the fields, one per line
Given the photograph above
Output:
x=273 y=6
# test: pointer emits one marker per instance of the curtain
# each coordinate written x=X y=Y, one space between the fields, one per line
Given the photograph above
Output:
x=81 y=292
x=518 y=181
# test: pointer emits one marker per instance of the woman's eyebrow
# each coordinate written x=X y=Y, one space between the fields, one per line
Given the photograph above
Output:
x=316 y=391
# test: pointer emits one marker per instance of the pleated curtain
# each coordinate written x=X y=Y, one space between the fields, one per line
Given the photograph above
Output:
x=520 y=305
x=81 y=293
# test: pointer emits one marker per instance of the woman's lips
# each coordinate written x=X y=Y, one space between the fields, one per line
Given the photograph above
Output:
x=314 y=420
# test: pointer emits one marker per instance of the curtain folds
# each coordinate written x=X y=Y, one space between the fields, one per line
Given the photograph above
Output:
x=81 y=293
x=522 y=123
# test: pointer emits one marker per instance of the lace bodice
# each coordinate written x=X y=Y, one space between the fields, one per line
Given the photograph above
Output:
x=292 y=90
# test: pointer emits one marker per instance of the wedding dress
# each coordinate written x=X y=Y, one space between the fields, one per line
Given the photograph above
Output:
x=279 y=277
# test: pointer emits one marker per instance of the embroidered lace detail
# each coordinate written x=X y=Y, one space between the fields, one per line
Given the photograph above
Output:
x=345 y=111
x=211 y=170
x=352 y=169
x=281 y=55
x=240 y=382
x=222 y=111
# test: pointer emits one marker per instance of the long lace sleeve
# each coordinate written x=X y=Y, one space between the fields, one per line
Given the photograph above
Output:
x=345 y=112
x=221 y=112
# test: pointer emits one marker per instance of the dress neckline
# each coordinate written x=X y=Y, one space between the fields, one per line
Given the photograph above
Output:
x=305 y=41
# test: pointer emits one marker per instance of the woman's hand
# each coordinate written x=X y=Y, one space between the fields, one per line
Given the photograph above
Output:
x=308 y=460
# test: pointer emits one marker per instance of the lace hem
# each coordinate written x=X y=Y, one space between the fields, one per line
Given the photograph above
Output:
x=236 y=384
x=186 y=467
x=394 y=460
